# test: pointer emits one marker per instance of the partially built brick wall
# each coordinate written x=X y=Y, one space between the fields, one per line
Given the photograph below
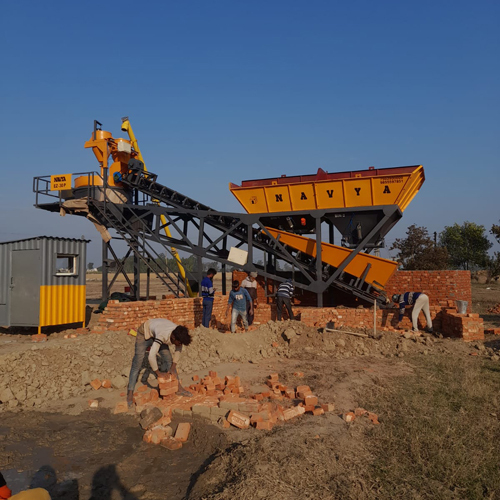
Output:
x=439 y=285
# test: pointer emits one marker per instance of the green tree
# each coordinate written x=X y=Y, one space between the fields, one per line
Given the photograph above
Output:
x=467 y=245
x=495 y=231
x=493 y=267
x=418 y=252
x=90 y=266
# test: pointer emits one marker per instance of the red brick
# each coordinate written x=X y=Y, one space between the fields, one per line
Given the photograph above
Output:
x=304 y=388
x=328 y=407
x=171 y=444
x=168 y=392
x=266 y=426
x=318 y=411
x=121 y=407
x=349 y=416
x=182 y=432
x=311 y=400
x=95 y=384
x=107 y=384
x=293 y=412
x=39 y=337
x=238 y=419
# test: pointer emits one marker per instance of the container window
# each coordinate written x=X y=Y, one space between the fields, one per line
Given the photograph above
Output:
x=66 y=265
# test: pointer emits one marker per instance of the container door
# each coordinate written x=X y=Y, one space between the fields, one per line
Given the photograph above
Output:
x=25 y=287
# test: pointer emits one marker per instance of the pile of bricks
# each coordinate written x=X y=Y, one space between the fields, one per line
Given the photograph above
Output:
x=221 y=400
x=492 y=331
x=350 y=416
x=161 y=433
x=494 y=309
x=97 y=384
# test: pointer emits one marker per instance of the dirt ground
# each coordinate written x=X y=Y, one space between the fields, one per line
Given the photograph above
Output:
x=97 y=455
x=58 y=442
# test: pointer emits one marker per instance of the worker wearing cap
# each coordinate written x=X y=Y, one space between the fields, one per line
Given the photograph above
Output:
x=284 y=296
x=161 y=336
x=208 y=292
x=250 y=285
x=239 y=298
x=419 y=301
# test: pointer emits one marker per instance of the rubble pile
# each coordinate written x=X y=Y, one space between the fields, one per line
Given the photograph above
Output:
x=35 y=375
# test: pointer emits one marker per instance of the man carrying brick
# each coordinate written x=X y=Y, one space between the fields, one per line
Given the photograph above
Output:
x=284 y=296
x=161 y=336
x=419 y=301
x=208 y=292
x=239 y=298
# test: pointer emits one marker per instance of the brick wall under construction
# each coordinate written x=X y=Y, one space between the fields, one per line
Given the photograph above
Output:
x=441 y=287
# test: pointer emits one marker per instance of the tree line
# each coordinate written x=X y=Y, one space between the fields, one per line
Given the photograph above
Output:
x=463 y=246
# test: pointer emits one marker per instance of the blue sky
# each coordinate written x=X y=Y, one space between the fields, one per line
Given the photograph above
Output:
x=221 y=91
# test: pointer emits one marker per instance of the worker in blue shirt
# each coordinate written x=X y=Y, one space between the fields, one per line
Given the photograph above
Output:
x=419 y=301
x=240 y=300
x=208 y=292
x=284 y=297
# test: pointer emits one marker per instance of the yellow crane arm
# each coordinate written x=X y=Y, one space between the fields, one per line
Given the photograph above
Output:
x=126 y=127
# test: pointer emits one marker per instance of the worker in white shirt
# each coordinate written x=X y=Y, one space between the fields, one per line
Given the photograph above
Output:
x=162 y=336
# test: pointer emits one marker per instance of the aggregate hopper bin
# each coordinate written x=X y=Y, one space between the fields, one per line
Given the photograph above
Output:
x=331 y=191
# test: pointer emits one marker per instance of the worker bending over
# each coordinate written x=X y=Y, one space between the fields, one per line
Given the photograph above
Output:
x=419 y=301
x=284 y=296
x=160 y=336
x=239 y=298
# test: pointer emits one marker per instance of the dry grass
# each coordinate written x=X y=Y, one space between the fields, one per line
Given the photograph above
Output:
x=439 y=439
x=441 y=432
x=290 y=464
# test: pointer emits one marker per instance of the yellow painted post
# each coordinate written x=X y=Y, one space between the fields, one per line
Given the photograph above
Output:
x=126 y=127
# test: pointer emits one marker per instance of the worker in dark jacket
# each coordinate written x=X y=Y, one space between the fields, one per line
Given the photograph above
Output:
x=284 y=296
x=208 y=292
x=419 y=301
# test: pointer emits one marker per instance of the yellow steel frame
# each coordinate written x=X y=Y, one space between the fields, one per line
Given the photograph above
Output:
x=127 y=127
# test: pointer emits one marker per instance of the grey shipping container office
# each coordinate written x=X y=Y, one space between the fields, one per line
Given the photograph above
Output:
x=42 y=281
